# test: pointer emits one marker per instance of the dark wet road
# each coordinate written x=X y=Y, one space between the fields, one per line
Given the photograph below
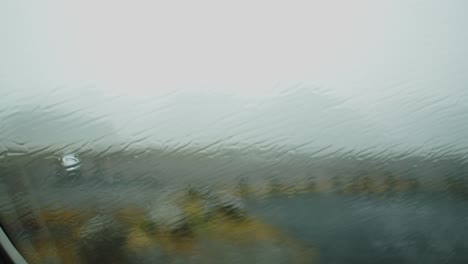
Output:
x=413 y=228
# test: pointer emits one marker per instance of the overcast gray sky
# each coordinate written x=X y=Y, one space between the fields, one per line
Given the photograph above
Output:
x=351 y=74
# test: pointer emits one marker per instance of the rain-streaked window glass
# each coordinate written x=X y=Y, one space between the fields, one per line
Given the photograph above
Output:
x=234 y=131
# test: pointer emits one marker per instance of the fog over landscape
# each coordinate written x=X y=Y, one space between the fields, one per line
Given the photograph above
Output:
x=245 y=131
x=306 y=75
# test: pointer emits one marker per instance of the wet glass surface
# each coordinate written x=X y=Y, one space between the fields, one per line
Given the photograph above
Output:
x=286 y=132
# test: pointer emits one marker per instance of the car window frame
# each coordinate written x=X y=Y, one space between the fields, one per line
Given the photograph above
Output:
x=8 y=252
